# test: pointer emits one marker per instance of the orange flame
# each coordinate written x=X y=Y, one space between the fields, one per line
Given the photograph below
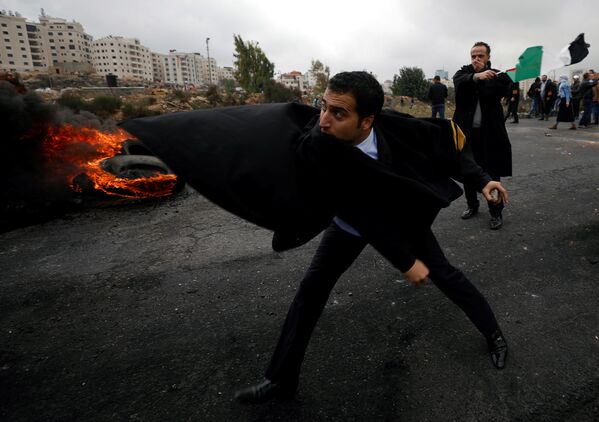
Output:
x=74 y=151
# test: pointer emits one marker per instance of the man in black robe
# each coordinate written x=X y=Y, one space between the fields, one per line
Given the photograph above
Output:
x=382 y=179
x=513 y=102
x=479 y=91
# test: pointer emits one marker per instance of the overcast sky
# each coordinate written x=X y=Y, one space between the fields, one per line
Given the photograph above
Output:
x=380 y=36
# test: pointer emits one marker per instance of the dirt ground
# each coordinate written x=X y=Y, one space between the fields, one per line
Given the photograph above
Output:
x=160 y=310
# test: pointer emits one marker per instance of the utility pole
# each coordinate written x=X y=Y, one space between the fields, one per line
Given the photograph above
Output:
x=209 y=64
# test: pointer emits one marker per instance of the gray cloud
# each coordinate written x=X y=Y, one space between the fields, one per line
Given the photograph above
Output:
x=377 y=35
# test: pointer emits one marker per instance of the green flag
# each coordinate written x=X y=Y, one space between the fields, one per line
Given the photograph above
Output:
x=529 y=64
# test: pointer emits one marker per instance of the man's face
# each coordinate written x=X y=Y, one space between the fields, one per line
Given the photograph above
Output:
x=479 y=57
x=339 y=118
x=544 y=78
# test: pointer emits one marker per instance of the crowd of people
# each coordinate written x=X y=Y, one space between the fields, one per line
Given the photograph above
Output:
x=564 y=98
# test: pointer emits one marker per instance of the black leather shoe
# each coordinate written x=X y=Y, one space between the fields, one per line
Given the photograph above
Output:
x=496 y=222
x=263 y=392
x=497 y=349
x=469 y=213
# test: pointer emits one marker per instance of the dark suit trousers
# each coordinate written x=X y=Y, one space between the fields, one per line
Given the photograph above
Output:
x=470 y=190
x=336 y=252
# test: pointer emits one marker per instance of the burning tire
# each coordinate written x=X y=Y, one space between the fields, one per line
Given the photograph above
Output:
x=134 y=166
x=138 y=170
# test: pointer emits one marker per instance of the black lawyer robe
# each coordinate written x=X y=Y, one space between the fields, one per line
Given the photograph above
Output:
x=270 y=165
x=495 y=153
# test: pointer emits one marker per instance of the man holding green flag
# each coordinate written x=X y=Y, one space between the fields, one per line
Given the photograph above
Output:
x=479 y=113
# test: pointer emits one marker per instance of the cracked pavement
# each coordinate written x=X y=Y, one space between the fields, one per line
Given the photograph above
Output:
x=160 y=310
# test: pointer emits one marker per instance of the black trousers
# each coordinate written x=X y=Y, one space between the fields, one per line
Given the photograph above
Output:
x=512 y=110
x=336 y=252
x=470 y=190
x=547 y=107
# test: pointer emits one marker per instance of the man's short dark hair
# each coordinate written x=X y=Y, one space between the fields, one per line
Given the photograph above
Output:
x=483 y=44
x=366 y=90
x=437 y=78
x=586 y=75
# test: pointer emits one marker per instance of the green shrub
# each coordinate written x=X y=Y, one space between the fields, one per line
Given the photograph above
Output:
x=74 y=102
x=275 y=92
x=213 y=95
x=179 y=95
x=133 y=110
x=106 y=105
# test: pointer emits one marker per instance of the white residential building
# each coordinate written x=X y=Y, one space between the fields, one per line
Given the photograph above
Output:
x=226 y=73
x=15 y=53
x=158 y=67
x=56 y=45
x=65 y=44
x=123 y=57
x=53 y=44
x=183 y=69
x=209 y=71
x=191 y=69
x=293 y=80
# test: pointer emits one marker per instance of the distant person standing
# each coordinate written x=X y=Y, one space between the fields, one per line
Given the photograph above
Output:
x=437 y=94
x=595 y=107
x=548 y=95
x=513 y=101
x=586 y=92
x=575 y=89
x=534 y=93
x=479 y=113
x=565 y=112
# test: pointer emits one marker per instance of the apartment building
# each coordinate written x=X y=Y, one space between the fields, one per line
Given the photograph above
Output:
x=294 y=80
x=209 y=71
x=158 y=67
x=15 y=53
x=56 y=45
x=226 y=72
x=123 y=57
x=191 y=70
x=52 y=44
x=183 y=69
x=65 y=45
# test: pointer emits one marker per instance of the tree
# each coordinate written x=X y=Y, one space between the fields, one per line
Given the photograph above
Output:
x=410 y=83
x=275 y=92
x=252 y=67
x=322 y=73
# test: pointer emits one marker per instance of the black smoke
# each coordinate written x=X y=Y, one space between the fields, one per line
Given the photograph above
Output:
x=29 y=193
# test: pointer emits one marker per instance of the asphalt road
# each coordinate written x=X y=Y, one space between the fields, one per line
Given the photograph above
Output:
x=159 y=311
